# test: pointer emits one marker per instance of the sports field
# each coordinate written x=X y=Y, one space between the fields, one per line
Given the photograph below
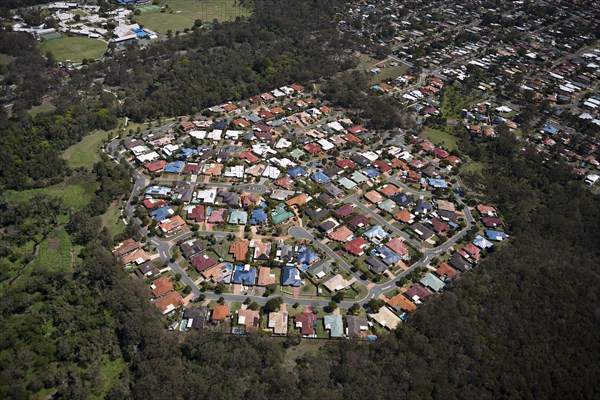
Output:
x=181 y=14
x=74 y=48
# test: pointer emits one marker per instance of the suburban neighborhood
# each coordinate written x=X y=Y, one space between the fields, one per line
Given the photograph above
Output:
x=279 y=214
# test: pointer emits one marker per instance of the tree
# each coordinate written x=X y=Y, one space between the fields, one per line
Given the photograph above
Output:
x=332 y=306
x=338 y=297
x=273 y=305
x=355 y=309
x=375 y=304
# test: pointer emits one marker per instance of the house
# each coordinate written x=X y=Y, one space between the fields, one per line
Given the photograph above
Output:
x=249 y=319
x=486 y=211
x=342 y=234
x=332 y=189
x=320 y=269
x=397 y=245
x=296 y=172
x=220 y=313
x=494 y=235
x=280 y=214
x=335 y=325
x=388 y=256
x=358 y=327
x=265 y=277
x=492 y=222
x=387 y=205
x=299 y=200
x=318 y=214
x=217 y=216
x=439 y=227
x=319 y=177
x=169 y=302
x=376 y=233
x=171 y=224
x=262 y=251
x=203 y=262
x=258 y=217
x=284 y=252
x=389 y=190
x=402 y=199
x=337 y=282
x=155 y=166
x=432 y=282
x=445 y=271
x=459 y=263
x=306 y=321
x=345 y=211
x=196 y=213
x=175 y=167
x=400 y=303
x=290 y=276
x=196 y=317
x=191 y=248
x=126 y=247
x=285 y=182
x=239 y=249
x=374 y=197
x=278 y=321
x=162 y=213
x=161 y=286
x=404 y=216
x=417 y=293
x=376 y=265
x=306 y=256
x=472 y=251
x=244 y=276
x=238 y=217
x=482 y=243
x=146 y=270
x=359 y=221
x=138 y=257
x=421 y=231
x=386 y=318
x=356 y=246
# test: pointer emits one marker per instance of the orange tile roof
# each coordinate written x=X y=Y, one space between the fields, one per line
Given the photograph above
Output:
x=373 y=197
x=341 y=234
x=400 y=301
x=264 y=277
x=389 y=190
x=446 y=270
x=250 y=319
x=299 y=200
x=161 y=286
x=403 y=216
x=126 y=247
x=169 y=302
x=239 y=249
x=220 y=313
x=229 y=107
x=172 y=223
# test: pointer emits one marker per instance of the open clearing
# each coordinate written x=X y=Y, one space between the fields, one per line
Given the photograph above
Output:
x=441 y=138
x=86 y=152
x=55 y=252
x=111 y=219
x=181 y=14
x=74 y=48
x=75 y=192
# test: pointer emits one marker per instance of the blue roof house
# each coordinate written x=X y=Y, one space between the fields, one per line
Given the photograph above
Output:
x=162 y=213
x=175 y=167
x=319 y=177
x=244 y=276
x=371 y=172
x=388 y=256
x=550 y=129
x=482 y=242
x=296 y=172
x=306 y=256
x=258 y=217
x=376 y=232
x=497 y=236
x=290 y=276
x=437 y=183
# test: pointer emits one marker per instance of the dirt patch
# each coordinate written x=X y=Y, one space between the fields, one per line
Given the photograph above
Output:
x=54 y=244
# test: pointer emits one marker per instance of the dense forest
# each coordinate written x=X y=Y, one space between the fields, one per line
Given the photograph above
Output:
x=524 y=324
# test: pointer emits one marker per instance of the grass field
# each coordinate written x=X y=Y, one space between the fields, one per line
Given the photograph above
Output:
x=111 y=219
x=181 y=14
x=85 y=153
x=75 y=192
x=441 y=138
x=55 y=252
x=74 y=48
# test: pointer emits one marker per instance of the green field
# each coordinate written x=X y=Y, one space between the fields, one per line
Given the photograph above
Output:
x=441 y=138
x=75 y=193
x=74 y=48
x=181 y=14
x=85 y=153
x=54 y=252
x=111 y=219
